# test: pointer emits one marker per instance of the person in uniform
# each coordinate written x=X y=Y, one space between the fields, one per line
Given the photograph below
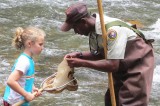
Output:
x=130 y=56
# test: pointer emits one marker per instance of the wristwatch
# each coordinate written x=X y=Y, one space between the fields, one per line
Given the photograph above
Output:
x=80 y=55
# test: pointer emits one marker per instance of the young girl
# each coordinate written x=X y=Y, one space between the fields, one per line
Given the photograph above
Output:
x=20 y=83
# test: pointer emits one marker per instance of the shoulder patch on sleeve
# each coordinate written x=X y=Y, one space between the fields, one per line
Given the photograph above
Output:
x=112 y=34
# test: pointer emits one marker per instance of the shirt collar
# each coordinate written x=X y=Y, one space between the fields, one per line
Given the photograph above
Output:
x=98 y=24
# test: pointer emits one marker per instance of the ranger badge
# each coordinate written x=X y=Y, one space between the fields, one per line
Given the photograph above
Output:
x=112 y=34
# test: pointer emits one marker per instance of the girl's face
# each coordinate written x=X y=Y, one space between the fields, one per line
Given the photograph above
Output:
x=37 y=46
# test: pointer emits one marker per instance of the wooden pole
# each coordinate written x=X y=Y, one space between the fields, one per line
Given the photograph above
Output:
x=104 y=35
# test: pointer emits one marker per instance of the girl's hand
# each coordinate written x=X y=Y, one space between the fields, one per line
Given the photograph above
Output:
x=35 y=89
x=29 y=97
x=36 y=92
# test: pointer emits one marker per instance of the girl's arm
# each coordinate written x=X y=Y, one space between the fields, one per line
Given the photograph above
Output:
x=13 y=83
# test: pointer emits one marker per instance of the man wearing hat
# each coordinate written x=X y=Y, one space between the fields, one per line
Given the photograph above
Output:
x=130 y=56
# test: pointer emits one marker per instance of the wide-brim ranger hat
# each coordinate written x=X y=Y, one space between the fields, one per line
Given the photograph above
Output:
x=73 y=14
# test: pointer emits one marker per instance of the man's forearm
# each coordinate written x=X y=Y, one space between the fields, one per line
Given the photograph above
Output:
x=87 y=55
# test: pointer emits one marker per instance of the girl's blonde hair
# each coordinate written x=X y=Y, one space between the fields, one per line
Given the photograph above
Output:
x=22 y=35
